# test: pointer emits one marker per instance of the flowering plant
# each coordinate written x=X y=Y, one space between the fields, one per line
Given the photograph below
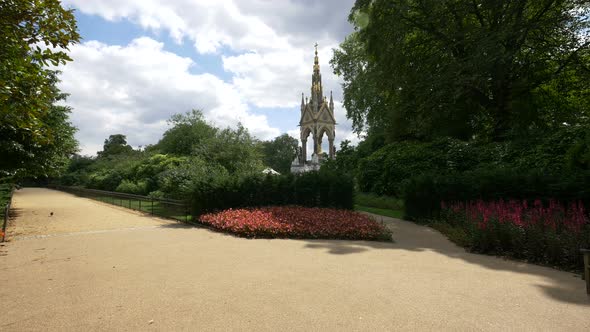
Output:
x=297 y=222
x=550 y=232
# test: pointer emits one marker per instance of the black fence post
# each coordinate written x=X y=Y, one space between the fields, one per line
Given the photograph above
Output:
x=152 y=210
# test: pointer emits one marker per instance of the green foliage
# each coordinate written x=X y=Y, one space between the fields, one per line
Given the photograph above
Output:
x=321 y=189
x=578 y=156
x=130 y=187
x=459 y=68
x=385 y=171
x=363 y=96
x=35 y=134
x=214 y=156
x=178 y=182
x=5 y=196
x=376 y=201
x=76 y=173
x=279 y=153
x=536 y=243
x=346 y=160
x=115 y=145
x=423 y=194
x=454 y=233
x=188 y=133
x=234 y=149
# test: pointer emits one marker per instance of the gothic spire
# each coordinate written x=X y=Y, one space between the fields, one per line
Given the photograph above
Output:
x=316 y=82
x=316 y=60
x=302 y=103
x=331 y=101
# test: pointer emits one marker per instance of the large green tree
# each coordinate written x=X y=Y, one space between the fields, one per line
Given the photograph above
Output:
x=115 y=145
x=424 y=68
x=190 y=135
x=280 y=152
x=23 y=155
x=34 y=35
x=188 y=132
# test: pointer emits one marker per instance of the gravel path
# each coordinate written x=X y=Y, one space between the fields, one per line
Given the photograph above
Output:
x=128 y=271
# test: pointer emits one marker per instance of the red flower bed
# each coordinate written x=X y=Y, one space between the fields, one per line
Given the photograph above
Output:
x=550 y=233
x=297 y=222
x=555 y=216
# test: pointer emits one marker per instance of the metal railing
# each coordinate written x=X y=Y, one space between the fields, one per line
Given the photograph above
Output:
x=6 y=215
x=167 y=208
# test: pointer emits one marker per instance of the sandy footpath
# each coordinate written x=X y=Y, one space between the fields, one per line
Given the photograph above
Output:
x=168 y=277
x=33 y=207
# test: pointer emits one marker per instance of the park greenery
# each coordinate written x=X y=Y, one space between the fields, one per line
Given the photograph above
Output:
x=191 y=153
x=37 y=137
x=462 y=101
x=459 y=103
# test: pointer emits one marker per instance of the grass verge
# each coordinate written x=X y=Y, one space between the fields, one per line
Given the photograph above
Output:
x=380 y=202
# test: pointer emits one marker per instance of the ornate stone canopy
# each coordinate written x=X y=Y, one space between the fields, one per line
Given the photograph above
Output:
x=317 y=116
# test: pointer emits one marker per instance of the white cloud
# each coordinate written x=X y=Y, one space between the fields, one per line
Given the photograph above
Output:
x=134 y=89
x=209 y=24
x=280 y=33
x=271 y=44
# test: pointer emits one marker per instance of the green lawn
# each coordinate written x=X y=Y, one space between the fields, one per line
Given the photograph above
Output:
x=398 y=214
x=380 y=202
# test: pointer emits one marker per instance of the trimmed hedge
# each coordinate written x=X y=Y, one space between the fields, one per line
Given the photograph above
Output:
x=313 y=189
x=424 y=193
x=387 y=170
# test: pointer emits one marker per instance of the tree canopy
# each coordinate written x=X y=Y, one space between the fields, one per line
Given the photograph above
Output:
x=280 y=152
x=115 y=145
x=35 y=134
x=463 y=68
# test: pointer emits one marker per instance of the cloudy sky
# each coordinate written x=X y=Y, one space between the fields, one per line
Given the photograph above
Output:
x=248 y=61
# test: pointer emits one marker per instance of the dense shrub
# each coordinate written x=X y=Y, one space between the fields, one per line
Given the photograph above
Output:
x=424 y=193
x=313 y=189
x=386 y=171
x=297 y=222
x=550 y=233
x=130 y=187
x=107 y=179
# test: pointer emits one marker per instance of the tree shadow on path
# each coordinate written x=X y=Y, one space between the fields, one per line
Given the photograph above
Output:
x=562 y=286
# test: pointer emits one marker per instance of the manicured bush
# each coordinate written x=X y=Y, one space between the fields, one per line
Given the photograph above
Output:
x=424 y=193
x=297 y=222
x=313 y=189
x=387 y=170
x=550 y=233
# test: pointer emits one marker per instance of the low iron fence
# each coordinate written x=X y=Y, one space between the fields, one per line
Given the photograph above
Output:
x=6 y=212
x=167 y=208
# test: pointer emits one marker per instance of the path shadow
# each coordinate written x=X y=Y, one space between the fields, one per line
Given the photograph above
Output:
x=562 y=286
x=179 y=225
x=14 y=213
